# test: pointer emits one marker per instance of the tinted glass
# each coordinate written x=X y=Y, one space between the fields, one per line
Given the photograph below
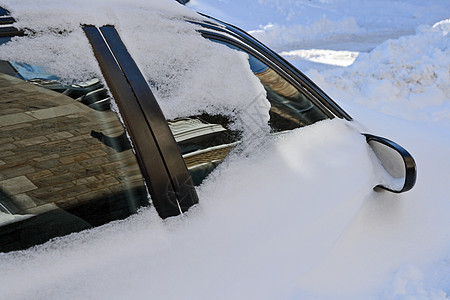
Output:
x=65 y=161
x=290 y=108
x=3 y=12
x=204 y=142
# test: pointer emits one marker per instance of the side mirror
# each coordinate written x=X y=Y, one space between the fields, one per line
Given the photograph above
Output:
x=400 y=172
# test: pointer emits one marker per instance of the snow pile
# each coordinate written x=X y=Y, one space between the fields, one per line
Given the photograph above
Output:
x=325 y=24
x=406 y=245
x=321 y=56
x=186 y=71
x=297 y=35
x=263 y=222
x=284 y=24
x=409 y=282
x=408 y=77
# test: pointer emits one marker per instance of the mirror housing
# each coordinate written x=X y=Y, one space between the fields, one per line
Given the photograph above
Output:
x=400 y=170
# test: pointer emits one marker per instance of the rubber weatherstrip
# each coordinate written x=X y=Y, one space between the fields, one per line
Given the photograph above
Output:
x=166 y=198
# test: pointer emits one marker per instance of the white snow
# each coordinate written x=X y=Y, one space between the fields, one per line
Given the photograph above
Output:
x=341 y=58
x=296 y=216
x=178 y=75
x=406 y=77
x=230 y=246
x=326 y=24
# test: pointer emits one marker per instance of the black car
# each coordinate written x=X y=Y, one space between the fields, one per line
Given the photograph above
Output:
x=72 y=159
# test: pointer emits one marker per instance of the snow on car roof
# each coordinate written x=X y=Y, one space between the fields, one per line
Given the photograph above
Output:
x=185 y=71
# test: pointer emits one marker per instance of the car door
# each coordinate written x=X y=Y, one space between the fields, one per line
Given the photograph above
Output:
x=69 y=163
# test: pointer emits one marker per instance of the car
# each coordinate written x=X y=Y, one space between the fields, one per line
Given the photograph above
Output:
x=72 y=158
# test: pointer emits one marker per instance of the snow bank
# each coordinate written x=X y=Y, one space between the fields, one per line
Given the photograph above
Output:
x=282 y=36
x=325 y=24
x=322 y=233
x=320 y=56
x=406 y=244
x=263 y=222
x=407 y=77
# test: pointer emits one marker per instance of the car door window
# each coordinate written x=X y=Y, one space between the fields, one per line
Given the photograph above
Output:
x=66 y=163
x=205 y=140
x=291 y=107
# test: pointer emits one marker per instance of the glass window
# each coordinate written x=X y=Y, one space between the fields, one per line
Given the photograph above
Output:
x=65 y=161
x=290 y=107
x=204 y=142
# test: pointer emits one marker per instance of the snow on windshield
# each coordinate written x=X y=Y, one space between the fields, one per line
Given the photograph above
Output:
x=188 y=74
